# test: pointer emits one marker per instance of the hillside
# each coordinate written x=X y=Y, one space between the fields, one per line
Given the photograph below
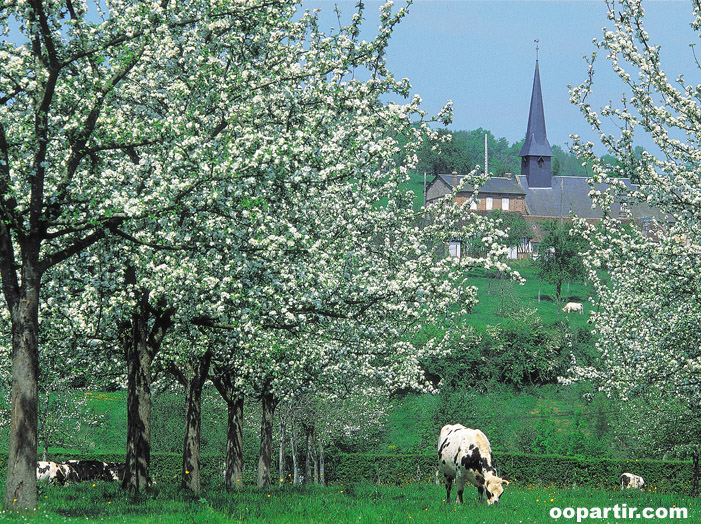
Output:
x=498 y=297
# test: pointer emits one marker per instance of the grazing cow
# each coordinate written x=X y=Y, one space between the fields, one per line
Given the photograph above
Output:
x=48 y=471
x=628 y=480
x=464 y=454
x=572 y=307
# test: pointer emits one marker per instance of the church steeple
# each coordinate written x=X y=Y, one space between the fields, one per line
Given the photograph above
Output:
x=536 y=153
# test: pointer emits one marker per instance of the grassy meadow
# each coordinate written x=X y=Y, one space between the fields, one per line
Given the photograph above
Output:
x=415 y=503
x=499 y=297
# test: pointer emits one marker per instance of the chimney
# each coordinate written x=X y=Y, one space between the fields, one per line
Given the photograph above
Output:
x=455 y=179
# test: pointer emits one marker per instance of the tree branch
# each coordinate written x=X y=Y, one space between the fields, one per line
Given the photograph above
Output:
x=76 y=247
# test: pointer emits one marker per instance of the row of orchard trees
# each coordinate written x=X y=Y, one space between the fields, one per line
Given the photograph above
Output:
x=212 y=187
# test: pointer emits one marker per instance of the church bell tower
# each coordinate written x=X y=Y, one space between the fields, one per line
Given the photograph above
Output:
x=536 y=154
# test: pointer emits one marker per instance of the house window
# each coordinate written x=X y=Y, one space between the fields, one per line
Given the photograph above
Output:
x=489 y=203
x=473 y=205
x=454 y=249
x=505 y=204
x=540 y=161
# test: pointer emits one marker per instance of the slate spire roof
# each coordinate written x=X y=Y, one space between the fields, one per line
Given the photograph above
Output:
x=536 y=143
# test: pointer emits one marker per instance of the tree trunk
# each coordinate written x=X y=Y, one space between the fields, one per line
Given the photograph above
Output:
x=266 y=440
x=295 y=464
x=234 y=445
x=233 y=476
x=695 y=478
x=307 y=460
x=141 y=345
x=281 y=455
x=311 y=467
x=322 y=472
x=21 y=480
x=315 y=459
x=138 y=459
x=193 y=423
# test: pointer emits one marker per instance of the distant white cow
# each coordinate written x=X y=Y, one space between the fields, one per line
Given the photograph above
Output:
x=572 y=307
x=464 y=454
x=628 y=480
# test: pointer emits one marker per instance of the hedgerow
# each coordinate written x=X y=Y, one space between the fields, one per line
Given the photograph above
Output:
x=400 y=469
x=672 y=476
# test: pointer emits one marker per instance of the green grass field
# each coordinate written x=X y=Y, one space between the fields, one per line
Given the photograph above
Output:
x=498 y=296
x=364 y=503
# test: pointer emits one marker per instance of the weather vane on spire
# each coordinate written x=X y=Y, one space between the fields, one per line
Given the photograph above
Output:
x=536 y=48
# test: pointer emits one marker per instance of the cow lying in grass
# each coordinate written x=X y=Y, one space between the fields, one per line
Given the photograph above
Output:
x=628 y=480
x=48 y=471
x=79 y=471
x=464 y=454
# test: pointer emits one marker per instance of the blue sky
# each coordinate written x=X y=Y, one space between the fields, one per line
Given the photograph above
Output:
x=481 y=55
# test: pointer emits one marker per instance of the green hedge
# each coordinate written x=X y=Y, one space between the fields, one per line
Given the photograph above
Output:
x=540 y=469
x=380 y=468
x=602 y=473
x=165 y=467
x=664 y=476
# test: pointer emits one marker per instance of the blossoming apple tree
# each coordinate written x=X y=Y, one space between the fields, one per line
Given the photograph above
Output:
x=649 y=316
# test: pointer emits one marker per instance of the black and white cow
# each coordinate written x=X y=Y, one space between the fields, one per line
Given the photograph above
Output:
x=115 y=470
x=628 y=480
x=464 y=455
x=79 y=471
x=48 y=471
x=82 y=470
